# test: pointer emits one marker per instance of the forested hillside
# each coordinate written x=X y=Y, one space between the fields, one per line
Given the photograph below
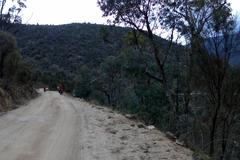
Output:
x=60 y=51
x=68 y=47
x=16 y=75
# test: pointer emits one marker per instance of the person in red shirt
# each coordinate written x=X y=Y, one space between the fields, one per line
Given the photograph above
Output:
x=61 y=88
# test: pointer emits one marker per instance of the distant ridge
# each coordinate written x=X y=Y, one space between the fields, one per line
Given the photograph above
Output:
x=68 y=46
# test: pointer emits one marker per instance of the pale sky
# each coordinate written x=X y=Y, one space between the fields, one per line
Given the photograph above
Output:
x=62 y=12
x=71 y=11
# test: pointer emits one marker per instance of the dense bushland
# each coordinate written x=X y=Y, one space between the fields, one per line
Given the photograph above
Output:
x=16 y=76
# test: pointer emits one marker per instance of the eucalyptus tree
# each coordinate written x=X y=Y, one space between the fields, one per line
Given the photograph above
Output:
x=195 y=21
x=10 y=12
x=144 y=16
x=7 y=46
x=208 y=27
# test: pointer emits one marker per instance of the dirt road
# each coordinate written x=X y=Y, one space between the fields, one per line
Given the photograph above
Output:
x=54 y=127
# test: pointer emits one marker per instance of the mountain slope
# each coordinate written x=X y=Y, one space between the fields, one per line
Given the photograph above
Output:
x=68 y=46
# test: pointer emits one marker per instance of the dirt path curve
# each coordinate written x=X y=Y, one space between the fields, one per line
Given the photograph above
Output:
x=55 y=127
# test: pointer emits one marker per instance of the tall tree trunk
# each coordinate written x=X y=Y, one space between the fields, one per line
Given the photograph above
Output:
x=224 y=140
x=212 y=135
x=213 y=129
x=2 y=58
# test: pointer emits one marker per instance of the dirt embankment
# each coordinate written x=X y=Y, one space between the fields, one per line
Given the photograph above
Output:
x=14 y=96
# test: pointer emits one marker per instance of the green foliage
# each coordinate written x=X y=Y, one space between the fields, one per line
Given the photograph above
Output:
x=16 y=76
x=11 y=64
x=129 y=101
x=82 y=86
x=104 y=33
x=133 y=38
x=199 y=155
x=8 y=42
x=23 y=74
x=9 y=55
x=66 y=48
